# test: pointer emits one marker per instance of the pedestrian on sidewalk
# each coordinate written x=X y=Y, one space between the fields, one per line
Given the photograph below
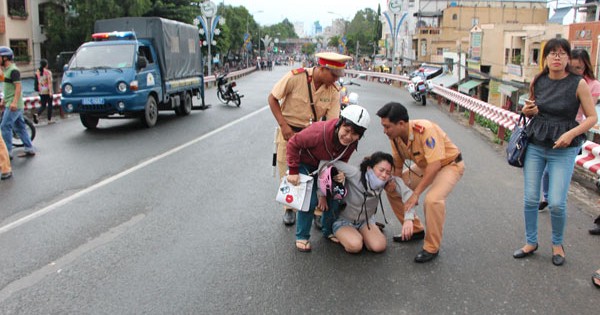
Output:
x=13 y=115
x=44 y=88
x=301 y=97
x=437 y=168
x=555 y=138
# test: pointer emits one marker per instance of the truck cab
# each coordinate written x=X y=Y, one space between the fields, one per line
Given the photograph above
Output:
x=134 y=74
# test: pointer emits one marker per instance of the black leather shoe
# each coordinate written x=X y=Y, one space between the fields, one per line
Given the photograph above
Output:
x=542 y=206
x=595 y=231
x=425 y=256
x=415 y=237
x=289 y=217
x=520 y=253
x=558 y=260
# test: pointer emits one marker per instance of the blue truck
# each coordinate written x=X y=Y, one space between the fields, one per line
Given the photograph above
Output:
x=133 y=68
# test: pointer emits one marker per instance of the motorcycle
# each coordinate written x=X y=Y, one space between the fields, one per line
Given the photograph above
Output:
x=418 y=89
x=29 y=126
x=225 y=91
x=345 y=97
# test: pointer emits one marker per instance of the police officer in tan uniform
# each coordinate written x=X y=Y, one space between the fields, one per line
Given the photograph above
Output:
x=301 y=97
x=432 y=162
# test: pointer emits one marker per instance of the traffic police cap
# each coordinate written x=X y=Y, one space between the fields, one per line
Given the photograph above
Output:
x=334 y=62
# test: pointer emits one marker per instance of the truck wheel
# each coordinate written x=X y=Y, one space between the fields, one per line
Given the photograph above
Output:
x=423 y=100
x=185 y=108
x=236 y=99
x=150 y=113
x=89 y=122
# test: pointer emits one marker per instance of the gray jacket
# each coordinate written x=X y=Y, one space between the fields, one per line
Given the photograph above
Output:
x=358 y=199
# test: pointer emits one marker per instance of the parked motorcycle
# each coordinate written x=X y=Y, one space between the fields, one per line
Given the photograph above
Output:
x=225 y=91
x=418 y=89
x=29 y=126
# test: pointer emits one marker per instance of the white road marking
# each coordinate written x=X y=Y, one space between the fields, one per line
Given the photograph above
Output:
x=124 y=173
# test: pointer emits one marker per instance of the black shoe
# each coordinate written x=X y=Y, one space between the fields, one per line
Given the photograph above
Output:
x=595 y=231
x=415 y=237
x=542 y=205
x=558 y=260
x=425 y=256
x=520 y=253
x=317 y=221
x=289 y=217
x=35 y=119
x=6 y=175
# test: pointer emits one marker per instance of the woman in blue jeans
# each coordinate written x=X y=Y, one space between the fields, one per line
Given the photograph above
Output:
x=554 y=141
x=323 y=141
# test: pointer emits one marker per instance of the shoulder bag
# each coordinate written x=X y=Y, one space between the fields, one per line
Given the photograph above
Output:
x=517 y=145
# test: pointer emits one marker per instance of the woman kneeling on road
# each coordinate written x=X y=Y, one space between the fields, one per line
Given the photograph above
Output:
x=323 y=141
x=355 y=225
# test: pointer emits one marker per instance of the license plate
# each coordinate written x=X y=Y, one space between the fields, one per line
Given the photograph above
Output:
x=421 y=87
x=93 y=101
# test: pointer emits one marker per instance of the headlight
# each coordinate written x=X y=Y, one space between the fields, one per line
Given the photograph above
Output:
x=68 y=89
x=122 y=87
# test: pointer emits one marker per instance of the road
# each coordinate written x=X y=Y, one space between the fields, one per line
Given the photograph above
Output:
x=181 y=219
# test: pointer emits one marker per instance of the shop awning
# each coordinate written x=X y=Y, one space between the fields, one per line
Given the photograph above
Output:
x=507 y=89
x=522 y=99
x=467 y=86
x=446 y=81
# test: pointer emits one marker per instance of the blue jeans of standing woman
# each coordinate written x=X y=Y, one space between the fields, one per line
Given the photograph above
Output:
x=14 y=119
x=559 y=164
x=304 y=219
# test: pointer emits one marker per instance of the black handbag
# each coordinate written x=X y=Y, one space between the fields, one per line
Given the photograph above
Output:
x=517 y=145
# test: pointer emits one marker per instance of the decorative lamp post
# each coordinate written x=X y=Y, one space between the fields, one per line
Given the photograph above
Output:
x=267 y=41
x=209 y=20
x=395 y=6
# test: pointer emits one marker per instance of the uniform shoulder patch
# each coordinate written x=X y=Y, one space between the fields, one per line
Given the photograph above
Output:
x=418 y=128
x=299 y=70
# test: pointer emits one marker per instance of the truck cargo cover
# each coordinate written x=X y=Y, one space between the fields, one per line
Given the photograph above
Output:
x=176 y=43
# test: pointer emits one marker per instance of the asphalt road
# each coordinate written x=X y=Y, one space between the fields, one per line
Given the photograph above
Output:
x=181 y=219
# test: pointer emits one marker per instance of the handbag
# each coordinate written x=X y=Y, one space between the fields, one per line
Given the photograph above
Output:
x=517 y=145
x=297 y=197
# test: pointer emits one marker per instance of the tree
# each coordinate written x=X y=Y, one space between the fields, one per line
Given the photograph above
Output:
x=361 y=29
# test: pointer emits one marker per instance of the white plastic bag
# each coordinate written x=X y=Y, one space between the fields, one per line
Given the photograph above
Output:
x=297 y=197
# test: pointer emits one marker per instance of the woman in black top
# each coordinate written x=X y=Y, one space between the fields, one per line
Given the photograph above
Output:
x=554 y=141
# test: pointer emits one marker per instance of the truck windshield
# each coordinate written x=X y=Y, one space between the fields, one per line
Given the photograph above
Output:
x=103 y=57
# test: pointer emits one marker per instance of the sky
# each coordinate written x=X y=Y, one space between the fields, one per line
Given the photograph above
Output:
x=307 y=11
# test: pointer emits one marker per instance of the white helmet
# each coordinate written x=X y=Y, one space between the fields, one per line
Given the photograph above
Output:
x=357 y=117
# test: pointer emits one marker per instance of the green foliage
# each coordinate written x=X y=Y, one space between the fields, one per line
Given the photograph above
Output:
x=309 y=49
x=362 y=30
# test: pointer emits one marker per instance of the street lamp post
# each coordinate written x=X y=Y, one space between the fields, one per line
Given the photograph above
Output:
x=209 y=21
x=395 y=6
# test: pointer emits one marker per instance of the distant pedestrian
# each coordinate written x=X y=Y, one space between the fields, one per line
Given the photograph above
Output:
x=13 y=115
x=44 y=88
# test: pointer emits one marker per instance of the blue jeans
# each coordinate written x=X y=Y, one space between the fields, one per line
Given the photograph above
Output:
x=15 y=119
x=304 y=219
x=559 y=164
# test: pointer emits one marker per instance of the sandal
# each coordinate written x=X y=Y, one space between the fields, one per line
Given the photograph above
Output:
x=596 y=278
x=303 y=245
x=332 y=238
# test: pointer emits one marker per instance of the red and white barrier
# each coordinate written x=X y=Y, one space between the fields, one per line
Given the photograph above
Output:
x=590 y=157
x=32 y=102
